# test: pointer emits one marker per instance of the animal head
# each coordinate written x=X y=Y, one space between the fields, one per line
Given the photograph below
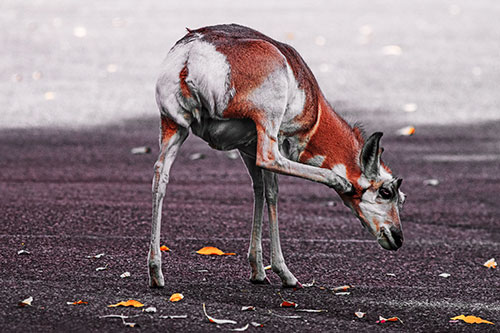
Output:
x=375 y=197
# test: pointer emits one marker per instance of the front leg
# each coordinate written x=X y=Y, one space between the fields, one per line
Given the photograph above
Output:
x=172 y=137
x=277 y=261
x=270 y=158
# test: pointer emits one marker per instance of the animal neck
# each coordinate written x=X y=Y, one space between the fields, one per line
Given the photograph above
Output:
x=333 y=144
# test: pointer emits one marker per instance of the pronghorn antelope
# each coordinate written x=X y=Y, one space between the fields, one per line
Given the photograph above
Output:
x=238 y=89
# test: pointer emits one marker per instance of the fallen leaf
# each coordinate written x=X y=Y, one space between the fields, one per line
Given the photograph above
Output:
x=444 y=275
x=176 y=297
x=248 y=308
x=25 y=302
x=255 y=324
x=125 y=275
x=36 y=75
x=196 y=156
x=49 y=95
x=210 y=250
x=140 y=150
x=23 y=252
x=342 y=293
x=232 y=154
x=164 y=248
x=341 y=288
x=359 y=314
x=394 y=50
x=102 y=268
x=150 y=309
x=390 y=274
x=217 y=321
x=382 y=320
x=490 y=263
x=410 y=107
x=406 y=131
x=287 y=304
x=122 y=317
x=111 y=68
x=130 y=302
x=174 y=317
x=472 y=320
x=97 y=256
x=240 y=329
x=311 y=310
x=308 y=285
x=431 y=182
x=80 y=32
x=77 y=302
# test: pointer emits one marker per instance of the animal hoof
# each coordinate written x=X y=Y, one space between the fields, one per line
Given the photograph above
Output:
x=156 y=282
x=264 y=281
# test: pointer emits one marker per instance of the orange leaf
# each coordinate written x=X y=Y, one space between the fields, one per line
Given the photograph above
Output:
x=341 y=288
x=176 y=297
x=287 y=304
x=77 y=302
x=472 y=320
x=210 y=250
x=382 y=320
x=164 y=248
x=490 y=263
x=130 y=302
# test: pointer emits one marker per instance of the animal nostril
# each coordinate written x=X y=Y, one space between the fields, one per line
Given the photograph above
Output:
x=397 y=235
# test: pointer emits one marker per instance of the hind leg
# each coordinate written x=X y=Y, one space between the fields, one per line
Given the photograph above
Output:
x=171 y=138
x=277 y=261
x=258 y=274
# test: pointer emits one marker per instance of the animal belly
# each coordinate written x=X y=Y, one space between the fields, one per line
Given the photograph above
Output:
x=226 y=134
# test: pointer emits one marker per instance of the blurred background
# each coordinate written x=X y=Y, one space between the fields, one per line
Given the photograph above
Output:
x=78 y=64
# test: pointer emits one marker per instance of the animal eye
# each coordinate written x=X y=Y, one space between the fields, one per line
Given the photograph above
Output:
x=385 y=193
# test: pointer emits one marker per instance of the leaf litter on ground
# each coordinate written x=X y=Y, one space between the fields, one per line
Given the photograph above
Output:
x=176 y=297
x=77 y=302
x=217 y=321
x=130 y=302
x=472 y=320
x=26 y=302
x=210 y=250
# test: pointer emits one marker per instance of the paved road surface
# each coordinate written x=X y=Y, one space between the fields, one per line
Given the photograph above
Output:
x=70 y=194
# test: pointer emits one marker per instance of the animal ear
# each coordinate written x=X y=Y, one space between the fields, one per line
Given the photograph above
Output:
x=399 y=181
x=370 y=156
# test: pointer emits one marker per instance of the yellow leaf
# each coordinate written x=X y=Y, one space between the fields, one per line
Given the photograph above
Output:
x=210 y=250
x=176 y=297
x=472 y=320
x=164 y=248
x=490 y=263
x=130 y=302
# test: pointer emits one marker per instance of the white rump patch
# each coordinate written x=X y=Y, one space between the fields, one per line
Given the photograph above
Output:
x=209 y=74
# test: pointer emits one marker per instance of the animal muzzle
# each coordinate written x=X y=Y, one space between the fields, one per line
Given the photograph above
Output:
x=390 y=238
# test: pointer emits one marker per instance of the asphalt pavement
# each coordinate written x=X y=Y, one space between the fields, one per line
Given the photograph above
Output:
x=67 y=195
